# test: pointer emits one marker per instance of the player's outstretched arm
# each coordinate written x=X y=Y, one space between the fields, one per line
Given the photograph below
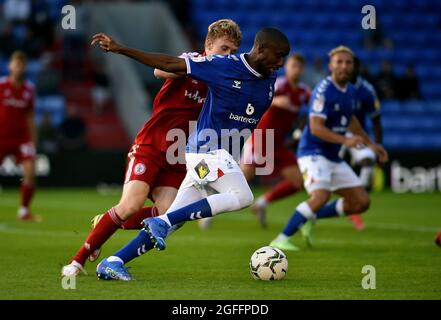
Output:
x=160 y=74
x=155 y=60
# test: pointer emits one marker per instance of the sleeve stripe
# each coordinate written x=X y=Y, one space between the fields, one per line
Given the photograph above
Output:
x=187 y=62
x=320 y=115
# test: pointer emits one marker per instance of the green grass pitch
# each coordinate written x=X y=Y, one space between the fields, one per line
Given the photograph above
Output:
x=213 y=264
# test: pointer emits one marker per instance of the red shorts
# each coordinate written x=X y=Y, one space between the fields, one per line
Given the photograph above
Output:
x=283 y=157
x=148 y=164
x=21 y=151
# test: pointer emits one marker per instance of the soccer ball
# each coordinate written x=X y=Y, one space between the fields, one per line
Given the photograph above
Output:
x=268 y=263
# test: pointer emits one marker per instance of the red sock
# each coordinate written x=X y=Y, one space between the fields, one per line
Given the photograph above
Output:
x=281 y=190
x=27 y=191
x=134 y=222
x=106 y=227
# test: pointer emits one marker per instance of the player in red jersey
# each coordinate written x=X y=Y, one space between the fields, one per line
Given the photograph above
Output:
x=148 y=173
x=18 y=134
x=289 y=97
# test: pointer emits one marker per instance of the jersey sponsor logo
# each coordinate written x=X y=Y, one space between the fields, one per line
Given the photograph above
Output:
x=202 y=169
x=237 y=84
x=16 y=103
x=194 y=96
x=250 y=109
x=243 y=119
x=318 y=104
x=139 y=169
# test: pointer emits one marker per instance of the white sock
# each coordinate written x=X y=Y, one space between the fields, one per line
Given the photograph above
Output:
x=281 y=237
x=305 y=210
x=22 y=211
x=115 y=259
x=261 y=202
x=165 y=218
x=365 y=176
x=339 y=207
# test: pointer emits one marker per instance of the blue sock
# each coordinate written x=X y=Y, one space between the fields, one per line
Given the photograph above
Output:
x=294 y=223
x=328 y=211
x=197 y=210
x=138 y=246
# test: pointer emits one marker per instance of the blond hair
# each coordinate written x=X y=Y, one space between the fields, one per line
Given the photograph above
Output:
x=225 y=27
x=341 y=49
x=19 y=55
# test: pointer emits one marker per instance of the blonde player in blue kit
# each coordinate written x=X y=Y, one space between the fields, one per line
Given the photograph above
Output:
x=331 y=114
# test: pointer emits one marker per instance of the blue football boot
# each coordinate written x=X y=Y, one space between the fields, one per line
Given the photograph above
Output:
x=157 y=229
x=114 y=270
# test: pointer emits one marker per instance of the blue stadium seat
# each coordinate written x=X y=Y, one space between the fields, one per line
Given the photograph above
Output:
x=314 y=27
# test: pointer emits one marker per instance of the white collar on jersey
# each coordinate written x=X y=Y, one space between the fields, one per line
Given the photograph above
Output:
x=245 y=62
x=342 y=89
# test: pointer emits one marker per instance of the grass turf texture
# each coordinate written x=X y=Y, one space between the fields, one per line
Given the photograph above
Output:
x=213 y=264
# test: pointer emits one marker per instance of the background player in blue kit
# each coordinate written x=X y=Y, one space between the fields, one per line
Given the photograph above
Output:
x=241 y=88
x=367 y=105
x=331 y=114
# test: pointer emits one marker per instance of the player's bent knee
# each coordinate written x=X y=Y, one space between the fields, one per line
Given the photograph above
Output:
x=364 y=204
x=126 y=210
x=246 y=198
x=359 y=205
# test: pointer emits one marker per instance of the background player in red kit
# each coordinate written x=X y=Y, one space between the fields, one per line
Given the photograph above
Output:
x=290 y=96
x=148 y=173
x=17 y=128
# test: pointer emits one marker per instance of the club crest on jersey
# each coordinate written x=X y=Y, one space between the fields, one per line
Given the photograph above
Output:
x=337 y=107
x=202 y=169
x=237 y=84
x=318 y=104
x=139 y=169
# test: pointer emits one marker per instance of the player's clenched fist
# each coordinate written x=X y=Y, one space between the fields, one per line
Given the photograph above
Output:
x=106 y=43
x=382 y=154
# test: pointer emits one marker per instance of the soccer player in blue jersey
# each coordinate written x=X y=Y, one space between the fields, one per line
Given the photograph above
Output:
x=331 y=114
x=241 y=88
x=367 y=105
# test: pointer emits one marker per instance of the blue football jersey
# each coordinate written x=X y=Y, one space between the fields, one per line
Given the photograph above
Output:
x=237 y=98
x=366 y=101
x=334 y=104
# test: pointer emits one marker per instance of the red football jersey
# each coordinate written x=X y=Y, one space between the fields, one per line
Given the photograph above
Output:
x=15 y=105
x=282 y=119
x=179 y=101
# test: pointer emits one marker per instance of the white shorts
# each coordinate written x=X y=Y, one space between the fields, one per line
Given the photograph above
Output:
x=359 y=154
x=321 y=173
x=203 y=168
